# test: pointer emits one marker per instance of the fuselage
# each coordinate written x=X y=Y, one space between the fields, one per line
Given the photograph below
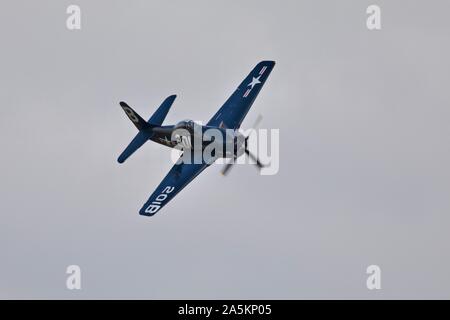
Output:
x=188 y=135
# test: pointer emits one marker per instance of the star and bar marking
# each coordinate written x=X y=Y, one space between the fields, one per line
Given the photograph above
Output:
x=254 y=82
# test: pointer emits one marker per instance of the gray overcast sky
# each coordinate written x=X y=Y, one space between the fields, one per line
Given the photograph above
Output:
x=364 y=151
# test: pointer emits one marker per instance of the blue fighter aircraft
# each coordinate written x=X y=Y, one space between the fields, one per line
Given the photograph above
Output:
x=229 y=116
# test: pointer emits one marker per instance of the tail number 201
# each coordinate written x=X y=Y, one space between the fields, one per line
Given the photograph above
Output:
x=156 y=204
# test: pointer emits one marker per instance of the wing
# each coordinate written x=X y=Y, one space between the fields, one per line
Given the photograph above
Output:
x=177 y=178
x=234 y=110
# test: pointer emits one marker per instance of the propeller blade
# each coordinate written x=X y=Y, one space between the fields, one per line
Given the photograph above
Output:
x=254 y=158
x=227 y=168
x=229 y=165
x=257 y=121
x=254 y=127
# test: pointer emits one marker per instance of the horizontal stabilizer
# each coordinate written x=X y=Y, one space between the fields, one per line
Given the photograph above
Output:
x=158 y=117
x=135 y=144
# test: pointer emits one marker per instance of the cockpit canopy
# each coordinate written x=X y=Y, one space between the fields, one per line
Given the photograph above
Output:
x=185 y=124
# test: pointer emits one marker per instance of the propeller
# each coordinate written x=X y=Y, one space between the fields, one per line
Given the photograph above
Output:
x=258 y=163
x=257 y=121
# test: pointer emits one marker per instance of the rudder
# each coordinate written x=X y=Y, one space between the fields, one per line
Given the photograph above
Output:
x=134 y=117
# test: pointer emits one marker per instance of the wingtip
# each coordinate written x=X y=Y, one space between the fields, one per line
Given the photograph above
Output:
x=171 y=97
x=270 y=62
x=145 y=214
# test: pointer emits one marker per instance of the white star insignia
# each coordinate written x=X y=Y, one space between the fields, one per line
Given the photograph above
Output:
x=254 y=82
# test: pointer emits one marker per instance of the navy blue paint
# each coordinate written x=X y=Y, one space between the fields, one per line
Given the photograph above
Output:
x=158 y=117
x=230 y=115
x=234 y=110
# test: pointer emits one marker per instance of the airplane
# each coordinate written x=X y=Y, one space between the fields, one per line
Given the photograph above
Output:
x=226 y=121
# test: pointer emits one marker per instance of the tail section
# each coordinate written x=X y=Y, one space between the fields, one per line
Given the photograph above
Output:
x=134 y=117
x=160 y=114
x=145 y=128
x=135 y=144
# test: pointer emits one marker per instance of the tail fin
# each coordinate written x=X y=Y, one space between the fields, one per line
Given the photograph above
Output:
x=134 y=117
x=158 y=117
x=145 y=128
